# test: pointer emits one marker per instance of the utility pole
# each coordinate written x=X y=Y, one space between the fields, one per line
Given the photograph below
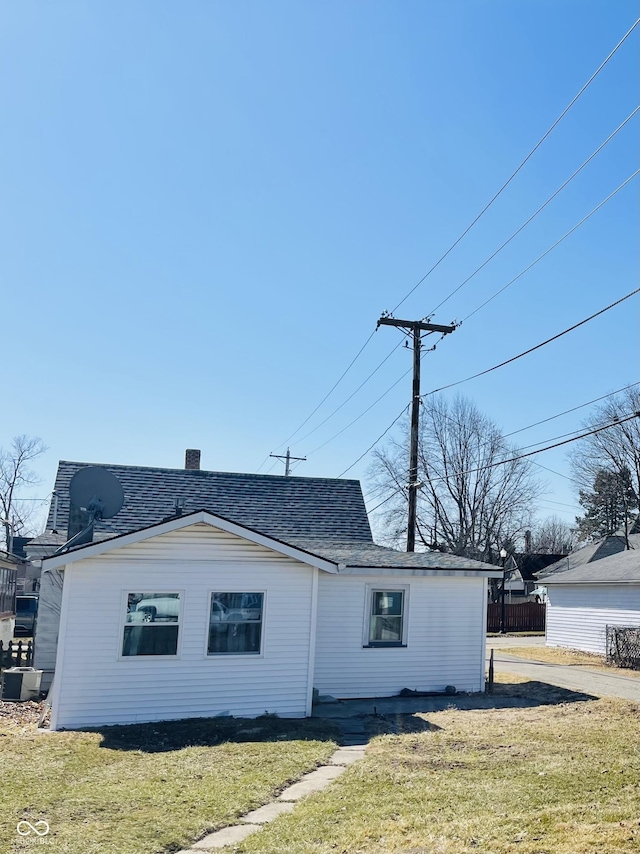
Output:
x=287 y=460
x=415 y=327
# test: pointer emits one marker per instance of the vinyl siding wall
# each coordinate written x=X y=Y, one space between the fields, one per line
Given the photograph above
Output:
x=445 y=642
x=95 y=686
x=47 y=624
x=577 y=615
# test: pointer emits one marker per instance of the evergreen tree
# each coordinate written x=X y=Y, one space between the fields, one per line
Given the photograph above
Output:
x=609 y=505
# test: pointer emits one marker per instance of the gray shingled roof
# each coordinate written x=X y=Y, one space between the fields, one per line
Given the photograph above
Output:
x=619 y=568
x=281 y=507
x=346 y=554
x=360 y=555
x=611 y=545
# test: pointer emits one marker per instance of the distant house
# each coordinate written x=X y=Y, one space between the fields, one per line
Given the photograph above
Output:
x=585 y=599
x=522 y=569
x=9 y=567
x=266 y=589
x=591 y=552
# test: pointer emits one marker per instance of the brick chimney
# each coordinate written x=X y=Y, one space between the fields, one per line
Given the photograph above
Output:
x=192 y=459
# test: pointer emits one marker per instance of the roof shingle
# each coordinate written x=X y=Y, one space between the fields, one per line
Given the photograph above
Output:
x=318 y=508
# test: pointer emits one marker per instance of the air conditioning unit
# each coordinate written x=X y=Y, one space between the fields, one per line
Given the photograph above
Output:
x=21 y=683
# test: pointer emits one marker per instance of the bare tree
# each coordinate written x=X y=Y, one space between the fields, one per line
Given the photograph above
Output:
x=612 y=450
x=15 y=474
x=472 y=501
x=553 y=536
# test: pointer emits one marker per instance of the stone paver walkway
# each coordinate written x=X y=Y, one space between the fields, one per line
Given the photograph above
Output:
x=310 y=783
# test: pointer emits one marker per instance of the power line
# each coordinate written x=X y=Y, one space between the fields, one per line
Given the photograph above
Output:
x=351 y=423
x=522 y=272
x=540 y=209
x=520 y=456
x=568 y=411
x=467 y=229
x=506 y=435
x=376 y=401
x=381 y=436
x=327 y=395
x=533 y=349
x=353 y=394
x=526 y=159
x=551 y=248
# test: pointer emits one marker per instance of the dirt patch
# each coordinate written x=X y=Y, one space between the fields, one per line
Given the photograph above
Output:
x=21 y=714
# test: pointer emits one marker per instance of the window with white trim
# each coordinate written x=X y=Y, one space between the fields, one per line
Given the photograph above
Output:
x=235 y=624
x=386 y=616
x=152 y=624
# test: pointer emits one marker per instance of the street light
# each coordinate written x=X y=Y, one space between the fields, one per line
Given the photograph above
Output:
x=503 y=558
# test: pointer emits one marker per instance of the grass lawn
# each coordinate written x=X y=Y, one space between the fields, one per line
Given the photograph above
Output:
x=555 y=655
x=145 y=788
x=559 y=779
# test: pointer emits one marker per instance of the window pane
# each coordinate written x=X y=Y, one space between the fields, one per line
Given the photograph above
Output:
x=234 y=637
x=387 y=602
x=153 y=607
x=235 y=623
x=236 y=606
x=150 y=640
x=385 y=629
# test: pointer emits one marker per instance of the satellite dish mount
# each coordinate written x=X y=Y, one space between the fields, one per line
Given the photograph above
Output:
x=94 y=494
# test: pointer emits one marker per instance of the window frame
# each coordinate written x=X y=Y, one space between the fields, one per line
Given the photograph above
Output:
x=123 y=622
x=253 y=655
x=372 y=589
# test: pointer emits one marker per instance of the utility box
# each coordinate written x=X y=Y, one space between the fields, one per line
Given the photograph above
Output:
x=21 y=683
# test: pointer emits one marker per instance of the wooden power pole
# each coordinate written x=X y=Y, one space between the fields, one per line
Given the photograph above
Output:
x=416 y=328
x=287 y=461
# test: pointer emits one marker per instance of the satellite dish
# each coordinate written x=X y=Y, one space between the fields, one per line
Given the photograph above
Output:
x=97 y=491
x=94 y=494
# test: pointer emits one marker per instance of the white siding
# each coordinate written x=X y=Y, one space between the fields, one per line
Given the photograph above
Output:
x=7 y=628
x=445 y=643
x=94 y=686
x=577 y=615
x=47 y=623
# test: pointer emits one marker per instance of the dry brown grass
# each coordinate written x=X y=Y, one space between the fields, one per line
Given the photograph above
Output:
x=570 y=657
x=557 y=779
x=148 y=787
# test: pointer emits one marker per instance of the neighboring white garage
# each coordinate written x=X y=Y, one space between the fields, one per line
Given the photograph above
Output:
x=583 y=601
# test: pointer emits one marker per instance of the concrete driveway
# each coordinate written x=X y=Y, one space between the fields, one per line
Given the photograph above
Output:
x=573 y=677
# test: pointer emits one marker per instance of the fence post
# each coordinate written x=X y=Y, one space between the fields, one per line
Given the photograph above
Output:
x=490 y=685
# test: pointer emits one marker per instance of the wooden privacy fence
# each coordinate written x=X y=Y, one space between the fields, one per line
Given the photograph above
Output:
x=16 y=654
x=523 y=617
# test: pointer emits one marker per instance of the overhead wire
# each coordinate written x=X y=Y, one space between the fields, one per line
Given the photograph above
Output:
x=469 y=227
x=512 y=433
x=522 y=272
x=573 y=409
x=526 y=159
x=539 y=210
x=533 y=349
x=481 y=373
x=551 y=248
x=519 y=456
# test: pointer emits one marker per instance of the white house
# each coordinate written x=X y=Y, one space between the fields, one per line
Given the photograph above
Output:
x=583 y=601
x=200 y=616
x=9 y=565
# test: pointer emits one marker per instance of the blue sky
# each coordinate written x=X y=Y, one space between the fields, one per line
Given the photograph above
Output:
x=207 y=205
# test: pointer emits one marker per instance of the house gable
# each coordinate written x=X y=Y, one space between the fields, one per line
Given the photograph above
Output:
x=189 y=525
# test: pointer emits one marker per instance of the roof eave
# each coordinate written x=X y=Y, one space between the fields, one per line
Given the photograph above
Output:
x=198 y=517
x=418 y=571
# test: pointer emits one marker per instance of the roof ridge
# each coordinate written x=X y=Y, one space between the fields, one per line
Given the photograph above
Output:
x=275 y=477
